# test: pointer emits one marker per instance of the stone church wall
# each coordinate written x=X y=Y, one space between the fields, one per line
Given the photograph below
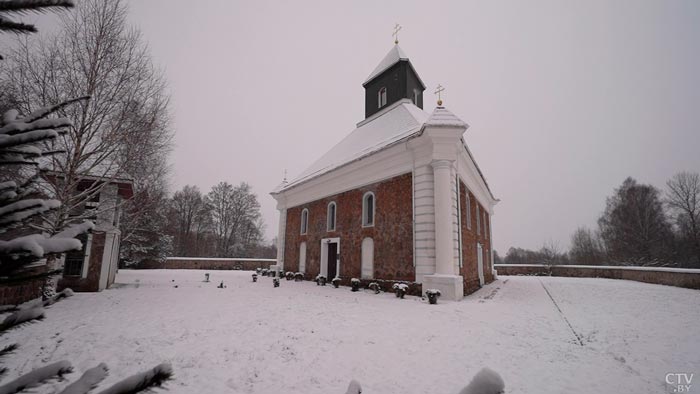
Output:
x=470 y=238
x=392 y=232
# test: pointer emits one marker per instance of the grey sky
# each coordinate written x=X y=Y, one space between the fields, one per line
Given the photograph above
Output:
x=565 y=99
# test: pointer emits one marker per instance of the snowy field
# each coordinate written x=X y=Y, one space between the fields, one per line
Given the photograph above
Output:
x=610 y=336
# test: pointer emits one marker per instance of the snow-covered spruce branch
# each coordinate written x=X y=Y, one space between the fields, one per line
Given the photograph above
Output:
x=37 y=377
x=22 y=316
x=39 y=245
x=153 y=377
x=88 y=381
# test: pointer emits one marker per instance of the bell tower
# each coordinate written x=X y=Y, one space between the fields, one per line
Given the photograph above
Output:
x=392 y=80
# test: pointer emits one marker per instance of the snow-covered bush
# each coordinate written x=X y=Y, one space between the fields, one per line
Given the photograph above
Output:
x=276 y=282
x=433 y=295
x=289 y=275
x=298 y=277
x=374 y=286
x=255 y=277
x=258 y=270
x=336 y=282
x=206 y=277
x=265 y=272
x=221 y=285
x=400 y=289
x=320 y=280
x=355 y=284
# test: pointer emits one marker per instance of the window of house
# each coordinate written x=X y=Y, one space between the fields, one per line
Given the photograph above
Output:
x=381 y=97
x=469 y=211
x=304 y=220
x=73 y=264
x=415 y=96
x=486 y=226
x=302 y=257
x=367 y=263
x=368 y=209
x=331 y=217
x=478 y=221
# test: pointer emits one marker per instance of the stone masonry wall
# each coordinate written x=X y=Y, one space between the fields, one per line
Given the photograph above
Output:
x=392 y=232
x=663 y=276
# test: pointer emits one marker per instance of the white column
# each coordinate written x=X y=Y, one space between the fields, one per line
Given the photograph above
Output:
x=280 y=237
x=444 y=245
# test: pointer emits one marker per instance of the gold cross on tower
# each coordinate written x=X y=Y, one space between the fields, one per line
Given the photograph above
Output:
x=439 y=90
x=396 y=33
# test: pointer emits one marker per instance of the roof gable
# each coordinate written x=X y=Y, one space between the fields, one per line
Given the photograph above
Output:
x=397 y=122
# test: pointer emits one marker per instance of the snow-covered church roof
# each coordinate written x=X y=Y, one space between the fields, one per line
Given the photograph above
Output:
x=397 y=122
x=395 y=55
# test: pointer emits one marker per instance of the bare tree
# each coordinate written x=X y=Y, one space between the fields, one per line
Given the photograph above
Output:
x=95 y=53
x=683 y=197
x=586 y=247
x=236 y=218
x=634 y=226
x=192 y=218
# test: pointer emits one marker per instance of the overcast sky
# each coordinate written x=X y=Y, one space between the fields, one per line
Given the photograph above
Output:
x=564 y=99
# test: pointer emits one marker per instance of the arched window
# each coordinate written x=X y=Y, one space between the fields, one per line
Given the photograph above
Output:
x=486 y=226
x=304 y=220
x=381 y=97
x=302 y=257
x=331 y=217
x=469 y=210
x=368 y=210
x=367 y=258
x=478 y=220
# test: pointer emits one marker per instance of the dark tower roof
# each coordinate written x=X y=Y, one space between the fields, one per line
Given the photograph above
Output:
x=393 y=79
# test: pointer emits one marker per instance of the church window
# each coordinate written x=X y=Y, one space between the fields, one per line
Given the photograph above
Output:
x=469 y=211
x=331 y=217
x=381 y=97
x=486 y=226
x=304 y=220
x=368 y=210
x=478 y=221
x=367 y=258
x=302 y=257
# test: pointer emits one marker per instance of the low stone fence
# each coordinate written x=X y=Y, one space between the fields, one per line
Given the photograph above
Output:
x=215 y=263
x=679 y=277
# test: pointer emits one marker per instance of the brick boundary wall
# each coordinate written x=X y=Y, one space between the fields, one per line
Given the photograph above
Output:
x=245 y=264
x=679 y=277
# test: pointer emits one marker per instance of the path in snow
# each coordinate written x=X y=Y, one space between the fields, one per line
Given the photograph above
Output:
x=302 y=338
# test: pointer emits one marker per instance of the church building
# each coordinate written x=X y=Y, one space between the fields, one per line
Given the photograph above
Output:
x=400 y=198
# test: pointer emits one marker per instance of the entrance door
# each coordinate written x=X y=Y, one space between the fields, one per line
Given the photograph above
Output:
x=332 y=260
x=480 y=263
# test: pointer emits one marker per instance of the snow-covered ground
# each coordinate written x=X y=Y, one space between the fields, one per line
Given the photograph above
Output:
x=543 y=335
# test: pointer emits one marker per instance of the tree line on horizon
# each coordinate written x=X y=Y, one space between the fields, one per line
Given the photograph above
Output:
x=640 y=226
x=225 y=222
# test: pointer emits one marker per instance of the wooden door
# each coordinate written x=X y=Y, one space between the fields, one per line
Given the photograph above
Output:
x=332 y=260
